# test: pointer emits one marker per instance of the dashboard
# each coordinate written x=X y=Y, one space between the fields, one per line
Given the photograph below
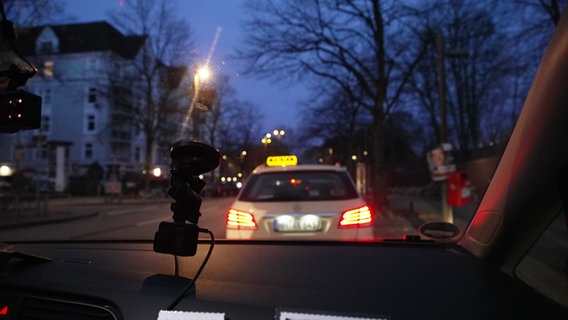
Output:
x=261 y=280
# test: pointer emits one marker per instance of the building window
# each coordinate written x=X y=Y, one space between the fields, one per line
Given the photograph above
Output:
x=46 y=47
x=91 y=123
x=93 y=64
x=41 y=152
x=48 y=68
x=137 y=154
x=88 y=151
x=47 y=97
x=45 y=124
x=92 y=95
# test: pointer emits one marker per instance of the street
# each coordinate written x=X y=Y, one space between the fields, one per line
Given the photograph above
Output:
x=113 y=221
x=136 y=220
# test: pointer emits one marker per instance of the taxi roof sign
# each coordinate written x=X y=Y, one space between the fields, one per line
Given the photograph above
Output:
x=281 y=161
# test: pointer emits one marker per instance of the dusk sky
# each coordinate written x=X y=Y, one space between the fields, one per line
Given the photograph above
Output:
x=278 y=102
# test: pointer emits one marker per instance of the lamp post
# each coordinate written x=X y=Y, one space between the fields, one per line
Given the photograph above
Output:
x=278 y=133
x=199 y=74
x=266 y=140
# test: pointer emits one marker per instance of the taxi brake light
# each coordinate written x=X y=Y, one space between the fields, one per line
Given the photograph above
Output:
x=358 y=217
x=240 y=220
x=295 y=182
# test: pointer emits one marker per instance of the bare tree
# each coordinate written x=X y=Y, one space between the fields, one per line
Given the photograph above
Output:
x=29 y=13
x=212 y=122
x=339 y=41
x=240 y=130
x=536 y=20
x=333 y=119
x=242 y=123
x=468 y=54
x=155 y=100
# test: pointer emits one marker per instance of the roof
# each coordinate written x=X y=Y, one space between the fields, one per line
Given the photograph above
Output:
x=301 y=167
x=83 y=37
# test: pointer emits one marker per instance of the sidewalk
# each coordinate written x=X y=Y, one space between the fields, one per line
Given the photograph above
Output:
x=53 y=210
x=419 y=210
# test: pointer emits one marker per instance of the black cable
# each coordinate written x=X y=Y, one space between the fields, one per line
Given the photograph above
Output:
x=192 y=283
x=176 y=265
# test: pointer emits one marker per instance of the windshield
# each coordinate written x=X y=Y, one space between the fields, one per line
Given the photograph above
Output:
x=408 y=103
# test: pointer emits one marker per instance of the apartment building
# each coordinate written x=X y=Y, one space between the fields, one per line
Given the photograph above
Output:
x=82 y=126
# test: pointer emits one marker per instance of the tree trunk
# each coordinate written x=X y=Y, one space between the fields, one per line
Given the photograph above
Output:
x=148 y=161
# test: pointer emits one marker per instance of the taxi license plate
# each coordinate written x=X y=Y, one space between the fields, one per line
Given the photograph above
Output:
x=301 y=223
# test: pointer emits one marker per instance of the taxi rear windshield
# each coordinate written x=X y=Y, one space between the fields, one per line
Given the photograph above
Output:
x=299 y=186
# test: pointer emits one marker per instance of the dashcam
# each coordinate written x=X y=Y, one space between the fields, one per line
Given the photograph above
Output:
x=179 y=239
x=19 y=110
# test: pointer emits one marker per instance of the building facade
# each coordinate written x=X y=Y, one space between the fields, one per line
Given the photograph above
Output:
x=82 y=126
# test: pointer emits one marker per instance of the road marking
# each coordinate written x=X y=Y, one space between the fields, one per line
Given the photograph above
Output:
x=125 y=211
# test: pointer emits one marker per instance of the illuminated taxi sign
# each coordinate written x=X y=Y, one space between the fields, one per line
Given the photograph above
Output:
x=281 y=161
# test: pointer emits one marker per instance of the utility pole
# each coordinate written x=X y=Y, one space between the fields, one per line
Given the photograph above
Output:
x=447 y=213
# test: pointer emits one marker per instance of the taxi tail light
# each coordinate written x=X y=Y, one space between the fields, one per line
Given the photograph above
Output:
x=240 y=220
x=358 y=217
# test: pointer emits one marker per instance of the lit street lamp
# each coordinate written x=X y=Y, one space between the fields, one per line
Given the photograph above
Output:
x=267 y=139
x=199 y=74
x=6 y=170
x=278 y=133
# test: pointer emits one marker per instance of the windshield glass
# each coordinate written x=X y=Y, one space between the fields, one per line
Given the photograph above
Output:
x=406 y=105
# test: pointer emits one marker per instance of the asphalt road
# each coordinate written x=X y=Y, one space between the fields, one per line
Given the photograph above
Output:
x=110 y=221
x=139 y=220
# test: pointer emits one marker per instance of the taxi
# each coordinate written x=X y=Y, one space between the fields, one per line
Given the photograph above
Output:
x=284 y=200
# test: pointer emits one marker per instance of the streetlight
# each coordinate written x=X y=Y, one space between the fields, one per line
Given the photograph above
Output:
x=202 y=73
x=278 y=133
x=267 y=139
x=199 y=74
x=6 y=170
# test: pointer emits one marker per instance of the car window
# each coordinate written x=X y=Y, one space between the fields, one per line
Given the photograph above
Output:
x=545 y=267
x=299 y=186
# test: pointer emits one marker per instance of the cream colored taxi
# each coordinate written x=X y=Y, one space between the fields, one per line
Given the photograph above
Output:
x=283 y=200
